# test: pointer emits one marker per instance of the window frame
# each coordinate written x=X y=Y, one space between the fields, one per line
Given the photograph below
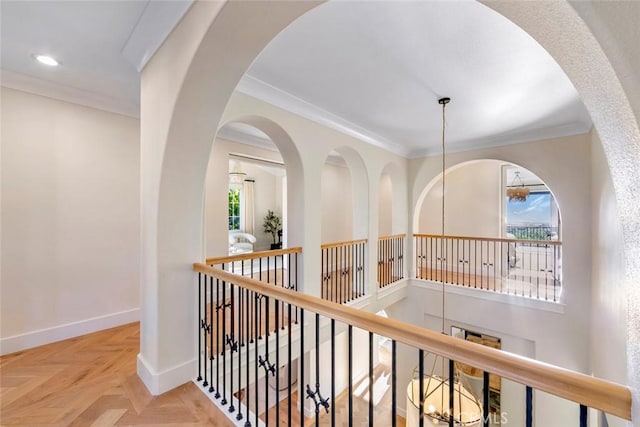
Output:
x=230 y=209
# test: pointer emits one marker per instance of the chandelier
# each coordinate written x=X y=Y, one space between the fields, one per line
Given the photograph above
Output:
x=435 y=396
x=517 y=191
x=236 y=176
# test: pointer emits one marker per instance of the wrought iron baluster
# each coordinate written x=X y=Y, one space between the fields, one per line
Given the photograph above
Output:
x=350 y=372
x=370 y=379
x=333 y=371
x=289 y=345
x=277 y=374
x=210 y=331
x=247 y=302
x=452 y=382
x=485 y=398
x=200 y=334
x=394 y=398
x=583 y=416
x=529 y=407
x=420 y=387
x=301 y=310
x=217 y=395
x=266 y=352
x=223 y=307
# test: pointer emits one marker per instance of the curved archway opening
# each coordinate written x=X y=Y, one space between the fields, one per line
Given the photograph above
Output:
x=477 y=203
x=344 y=187
x=337 y=200
x=345 y=196
x=247 y=179
x=171 y=197
x=502 y=228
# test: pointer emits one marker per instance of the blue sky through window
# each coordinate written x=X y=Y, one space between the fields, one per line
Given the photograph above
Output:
x=536 y=210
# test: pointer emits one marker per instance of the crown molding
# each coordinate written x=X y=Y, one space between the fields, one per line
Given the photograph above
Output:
x=259 y=89
x=157 y=21
x=236 y=135
x=36 y=86
x=571 y=129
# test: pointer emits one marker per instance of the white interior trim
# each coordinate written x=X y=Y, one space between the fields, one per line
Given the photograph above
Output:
x=58 y=333
x=36 y=86
x=258 y=89
x=161 y=382
x=157 y=21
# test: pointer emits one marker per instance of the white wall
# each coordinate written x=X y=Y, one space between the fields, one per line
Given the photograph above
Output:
x=473 y=187
x=70 y=219
x=337 y=204
x=560 y=333
x=385 y=206
x=189 y=81
x=542 y=332
x=564 y=164
x=609 y=302
x=268 y=194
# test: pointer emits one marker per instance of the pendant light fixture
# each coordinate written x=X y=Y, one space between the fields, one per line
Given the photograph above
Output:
x=517 y=191
x=434 y=398
x=237 y=175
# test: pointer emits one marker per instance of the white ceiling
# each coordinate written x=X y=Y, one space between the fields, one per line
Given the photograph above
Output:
x=101 y=46
x=372 y=69
x=381 y=66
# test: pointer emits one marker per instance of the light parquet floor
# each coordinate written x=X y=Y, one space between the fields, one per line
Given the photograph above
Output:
x=92 y=381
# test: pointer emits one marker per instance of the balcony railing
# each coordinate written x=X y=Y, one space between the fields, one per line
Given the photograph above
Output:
x=279 y=267
x=533 y=232
x=343 y=270
x=527 y=268
x=263 y=367
x=390 y=259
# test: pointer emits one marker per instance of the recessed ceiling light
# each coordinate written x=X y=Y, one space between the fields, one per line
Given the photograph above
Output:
x=46 y=60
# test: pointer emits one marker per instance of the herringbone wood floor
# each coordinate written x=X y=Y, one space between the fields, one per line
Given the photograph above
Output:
x=92 y=381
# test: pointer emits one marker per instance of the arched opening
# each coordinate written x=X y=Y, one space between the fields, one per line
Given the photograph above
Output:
x=246 y=179
x=337 y=200
x=501 y=230
x=391 y=241
x=344 y=226
x=480 y=187
x=177 y=132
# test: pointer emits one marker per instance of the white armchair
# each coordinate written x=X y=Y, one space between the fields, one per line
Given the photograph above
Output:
x=241 y=243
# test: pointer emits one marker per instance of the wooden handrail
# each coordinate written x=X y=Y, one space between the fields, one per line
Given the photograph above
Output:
x=492 y=239
x=345 y=243
x=392 y=236
x=586 y=390
x=252 y=255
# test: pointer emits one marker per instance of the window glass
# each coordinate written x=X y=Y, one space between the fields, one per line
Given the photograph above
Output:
x=234 y=209
x=532 y=218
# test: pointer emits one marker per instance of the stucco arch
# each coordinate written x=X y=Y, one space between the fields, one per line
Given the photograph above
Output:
x=185 y=88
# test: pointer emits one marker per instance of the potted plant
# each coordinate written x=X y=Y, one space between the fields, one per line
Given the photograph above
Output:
x=273 y=226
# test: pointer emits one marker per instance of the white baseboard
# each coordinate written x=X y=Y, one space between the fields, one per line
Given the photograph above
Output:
x=70 y=330
x=402 y=412
x=161 y=382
